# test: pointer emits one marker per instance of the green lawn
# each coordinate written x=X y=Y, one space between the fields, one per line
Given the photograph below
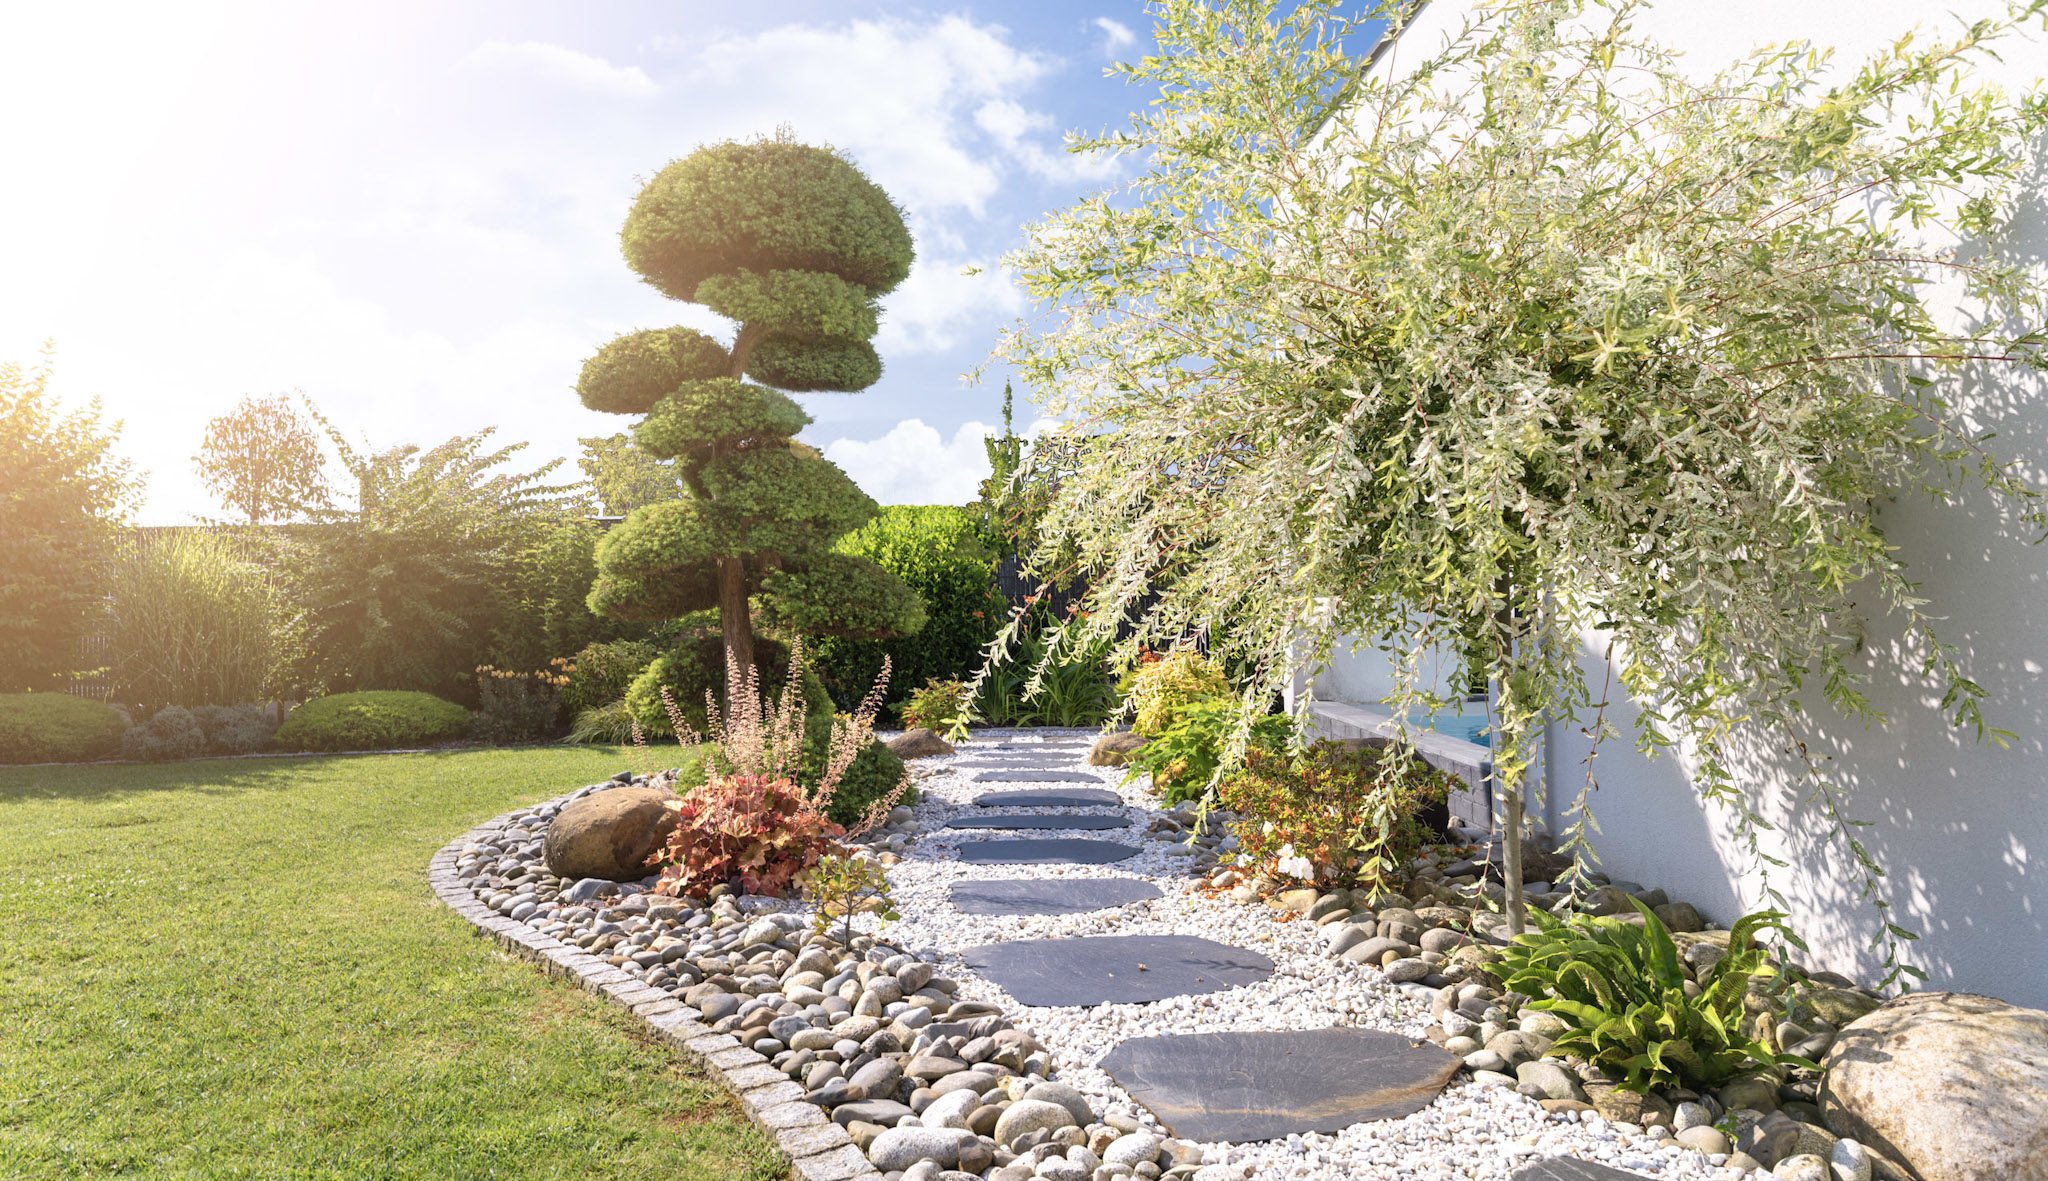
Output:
x=234 y=968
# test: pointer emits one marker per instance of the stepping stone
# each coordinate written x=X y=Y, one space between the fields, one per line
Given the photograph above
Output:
x=1054 y=820
x=1049 y=896
x=1045 y=851
x=1037 y=777
x=1565 y=1168
x=1238 y=1087
x=1117 y=969
x=1081 y=797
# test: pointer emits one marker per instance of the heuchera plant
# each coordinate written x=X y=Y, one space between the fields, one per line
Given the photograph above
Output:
x=751 y=822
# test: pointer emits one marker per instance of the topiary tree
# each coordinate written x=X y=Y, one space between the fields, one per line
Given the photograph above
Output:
x=794 y=244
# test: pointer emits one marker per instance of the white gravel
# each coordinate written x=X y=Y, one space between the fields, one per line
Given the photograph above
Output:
x=1471 y=1133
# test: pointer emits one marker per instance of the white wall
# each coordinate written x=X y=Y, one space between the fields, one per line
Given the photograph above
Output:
x=1962 y=827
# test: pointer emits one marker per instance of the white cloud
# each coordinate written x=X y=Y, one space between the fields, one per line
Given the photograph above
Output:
x=1115 y=34
x=559 y=63
x=939 y=301
x=914 y=464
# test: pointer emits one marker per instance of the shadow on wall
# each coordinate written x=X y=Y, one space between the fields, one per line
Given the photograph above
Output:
x=1959 y=826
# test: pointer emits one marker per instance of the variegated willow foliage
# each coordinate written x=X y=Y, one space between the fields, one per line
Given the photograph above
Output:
x=1536 y=340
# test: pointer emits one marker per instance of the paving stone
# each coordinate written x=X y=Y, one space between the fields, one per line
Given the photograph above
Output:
x=1565 y=1168
x=1051 y=820
x=1051 y=798
x=840 y=1164
x=1116 y=969
x=1048 y=896
x=1037 y=777
x=1051 y=851
x=1239 y=1087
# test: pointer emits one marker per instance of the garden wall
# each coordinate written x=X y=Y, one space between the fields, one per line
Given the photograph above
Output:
x=1961 y=826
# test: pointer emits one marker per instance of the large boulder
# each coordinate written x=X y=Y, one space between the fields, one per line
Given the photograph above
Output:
x=609 y=834
x=1947 y=1085
x=919 y=743
x=1114 y=750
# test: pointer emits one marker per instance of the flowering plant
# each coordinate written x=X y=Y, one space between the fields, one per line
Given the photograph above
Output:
x=1334 y=814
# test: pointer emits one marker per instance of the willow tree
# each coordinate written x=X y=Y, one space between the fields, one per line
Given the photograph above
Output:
x=1538 y=340
x=795 y=245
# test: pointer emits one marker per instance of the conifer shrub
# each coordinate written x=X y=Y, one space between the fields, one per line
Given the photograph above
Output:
x=170 y=735
x=57 y=728
x=374 y=719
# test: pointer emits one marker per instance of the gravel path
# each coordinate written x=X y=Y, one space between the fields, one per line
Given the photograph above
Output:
x=1473 y=1132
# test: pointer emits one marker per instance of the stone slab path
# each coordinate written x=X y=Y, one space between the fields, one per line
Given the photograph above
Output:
x=1054 y=851
x=1074 y=797
x=1051 y=820
x=1008 y=776
x=1048 y=896
x=1566 y=1168
x=1115 y=969
x=1235 y=1087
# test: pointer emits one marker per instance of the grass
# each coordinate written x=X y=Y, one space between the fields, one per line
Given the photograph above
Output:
x=234 y=969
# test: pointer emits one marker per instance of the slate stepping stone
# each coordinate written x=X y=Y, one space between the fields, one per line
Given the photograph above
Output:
x=1045 y=851
x=1080 y=797
x=1565 y=1168
x=1051 y=820
x=1238 y=1087
x=1117 y=969
x=1048 y=896
x=1008 y=776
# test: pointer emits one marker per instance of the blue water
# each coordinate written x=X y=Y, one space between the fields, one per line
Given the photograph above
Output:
x=1470 y=727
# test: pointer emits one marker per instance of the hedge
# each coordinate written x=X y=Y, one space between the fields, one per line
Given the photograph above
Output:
x=57 y=728
x=375 y=719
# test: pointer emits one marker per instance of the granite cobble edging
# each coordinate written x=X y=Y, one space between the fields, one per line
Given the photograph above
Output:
x=817 y=1148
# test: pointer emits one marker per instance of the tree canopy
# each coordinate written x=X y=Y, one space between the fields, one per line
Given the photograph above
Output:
x=1538 y=342
x=794 y=244
x=62 y=492
x=263 y=460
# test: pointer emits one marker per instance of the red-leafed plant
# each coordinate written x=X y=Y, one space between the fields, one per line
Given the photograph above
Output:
x=758 y=830
x=751 y=822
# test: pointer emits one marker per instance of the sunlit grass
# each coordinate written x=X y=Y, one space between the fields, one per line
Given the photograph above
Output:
x=235 y=969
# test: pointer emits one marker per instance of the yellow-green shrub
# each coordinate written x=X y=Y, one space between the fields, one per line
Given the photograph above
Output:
x=1163 y=688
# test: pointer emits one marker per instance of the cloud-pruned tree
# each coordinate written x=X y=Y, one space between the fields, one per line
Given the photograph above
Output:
x=795 y=245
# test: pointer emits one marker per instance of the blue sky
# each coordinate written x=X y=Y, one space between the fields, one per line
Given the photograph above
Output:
x=408 y=211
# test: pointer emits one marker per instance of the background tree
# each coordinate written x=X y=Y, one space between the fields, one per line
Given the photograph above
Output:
x=411 y=587
x=263 y=460
x=795 y=245
x=1538 y=340
x=62 y=494
x=624 y=476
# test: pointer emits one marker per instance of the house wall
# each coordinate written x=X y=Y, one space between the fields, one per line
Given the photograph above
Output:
x=1960 y=825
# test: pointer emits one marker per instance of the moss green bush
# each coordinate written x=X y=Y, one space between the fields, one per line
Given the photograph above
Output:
x=57 y=728
x=376 y=719
x=604 y=671
x=169 y=736
x=874 y=773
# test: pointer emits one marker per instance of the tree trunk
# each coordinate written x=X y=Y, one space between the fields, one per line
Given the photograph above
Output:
x=1511 y=862
x=733 y=616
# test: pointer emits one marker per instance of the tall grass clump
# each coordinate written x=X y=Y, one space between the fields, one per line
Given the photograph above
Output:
x=193 y=624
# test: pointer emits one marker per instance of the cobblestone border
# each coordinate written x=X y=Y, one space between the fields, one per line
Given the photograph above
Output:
x=818 y=1149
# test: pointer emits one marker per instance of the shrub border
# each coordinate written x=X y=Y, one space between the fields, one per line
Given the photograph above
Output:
x=817 y=1148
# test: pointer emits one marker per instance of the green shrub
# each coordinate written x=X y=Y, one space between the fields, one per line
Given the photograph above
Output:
x=935 y=706
x=1334 y=814
x=171 y=735
x=235 y=729
x=873 y=774
x=57 y=728
x=1184 y=757
x=1623 y=989
x=375 y=719
x=604 y=725
x=514 y=707
x=1076 y=691
x=1161 y=688
x=696 y=664
x=193 y=623
x=937 y=551
x=542 y=613
x=604 y=671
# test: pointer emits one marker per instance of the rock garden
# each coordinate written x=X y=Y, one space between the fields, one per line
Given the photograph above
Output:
x=1084 y=983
